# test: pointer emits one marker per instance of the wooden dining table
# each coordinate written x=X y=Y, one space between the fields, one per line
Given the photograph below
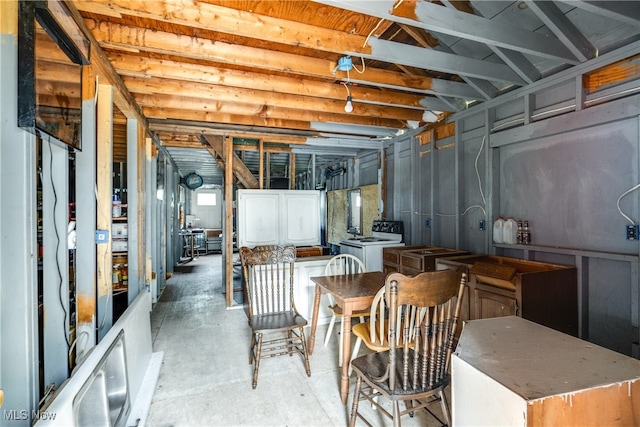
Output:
x=352 y=292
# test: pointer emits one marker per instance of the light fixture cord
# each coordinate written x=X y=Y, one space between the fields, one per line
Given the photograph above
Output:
x=346 y=86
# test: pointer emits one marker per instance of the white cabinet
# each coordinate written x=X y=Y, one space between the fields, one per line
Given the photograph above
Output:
x=258 y=218
x=278 y=217
x=305 y=289
x=301 y=219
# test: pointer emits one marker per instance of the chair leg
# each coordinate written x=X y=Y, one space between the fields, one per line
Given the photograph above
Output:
x=409 y=407
x=252 y=348
x=396 y=413
x=354 y=354
x=445 y=408
x=305 y=352
x=330 y=330
x=354 y=405
x=257 y=365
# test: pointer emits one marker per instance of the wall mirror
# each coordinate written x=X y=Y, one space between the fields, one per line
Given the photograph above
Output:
x=354 y=212
x=50 y=61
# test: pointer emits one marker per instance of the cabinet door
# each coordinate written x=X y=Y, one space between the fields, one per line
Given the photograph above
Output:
x=258 y=218
x=301 y=218
x=490 y=304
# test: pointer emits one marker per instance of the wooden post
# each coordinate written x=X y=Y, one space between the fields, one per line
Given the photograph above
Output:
x=261 y=164
x=104 y=183
x=268 y=171
x=228 y=224
x=292 y=171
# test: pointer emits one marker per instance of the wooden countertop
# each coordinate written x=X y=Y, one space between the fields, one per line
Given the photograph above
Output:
x=535 y=361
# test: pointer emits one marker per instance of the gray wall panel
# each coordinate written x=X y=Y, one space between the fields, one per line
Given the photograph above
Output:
x=390 y=181
x=445 y=219
x=369 y=169
x=567 y=186
x=422 y=233
x=473 y=239
x=610 y=304
x=403 y=185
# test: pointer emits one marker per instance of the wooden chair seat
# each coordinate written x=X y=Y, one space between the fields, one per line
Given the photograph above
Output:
x=277 y=321
x=374 y=366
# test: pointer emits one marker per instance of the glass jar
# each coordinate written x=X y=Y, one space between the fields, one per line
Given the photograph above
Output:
x=124 y=273
x=115 y=276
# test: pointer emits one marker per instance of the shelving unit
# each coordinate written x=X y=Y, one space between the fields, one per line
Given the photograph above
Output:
x=120 y=240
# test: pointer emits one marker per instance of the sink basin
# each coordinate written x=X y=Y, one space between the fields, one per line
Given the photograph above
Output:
x=104 y=398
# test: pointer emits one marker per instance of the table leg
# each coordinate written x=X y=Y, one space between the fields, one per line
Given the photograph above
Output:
x=314 y=319
x=346 y=352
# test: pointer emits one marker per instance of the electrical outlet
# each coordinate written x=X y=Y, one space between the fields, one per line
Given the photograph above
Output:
x=427 y=223
x=102 y=236
x=633 y=232
x=483 y=225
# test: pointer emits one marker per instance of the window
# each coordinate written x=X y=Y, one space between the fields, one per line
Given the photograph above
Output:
x=207 y=199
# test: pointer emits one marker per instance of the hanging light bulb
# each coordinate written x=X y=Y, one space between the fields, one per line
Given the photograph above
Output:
x=348 y=107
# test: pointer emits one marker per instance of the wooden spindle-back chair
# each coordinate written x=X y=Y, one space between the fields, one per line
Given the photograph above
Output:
x=415 y=369
x=269 y=277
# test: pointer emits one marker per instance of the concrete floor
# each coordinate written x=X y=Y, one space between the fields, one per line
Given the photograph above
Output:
x=205 y=379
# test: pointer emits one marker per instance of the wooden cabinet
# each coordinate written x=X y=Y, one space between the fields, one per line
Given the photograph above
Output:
x=501 y=286
x=508 y=371
x=417 y=261
x=489 y=303
x=391 y=257
x=411 y=260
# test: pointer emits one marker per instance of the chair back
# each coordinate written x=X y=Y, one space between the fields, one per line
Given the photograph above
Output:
x=423 y=317
x=379 y=325
x=269 y=271
x=344 y=264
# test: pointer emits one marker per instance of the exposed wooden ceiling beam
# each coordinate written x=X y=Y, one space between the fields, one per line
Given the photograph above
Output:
x=134 y=39
x=515 y=60
x=261 y=99
x=439 y=19
x=563 y=28
x=101 y=66
x=252 y=25
x=199 y=129
x=193 y=107
x=240 y=170
x=135 y=66
x=627 y=12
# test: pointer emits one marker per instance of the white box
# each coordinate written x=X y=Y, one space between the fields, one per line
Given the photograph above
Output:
x=119 y=245
x=119 y=231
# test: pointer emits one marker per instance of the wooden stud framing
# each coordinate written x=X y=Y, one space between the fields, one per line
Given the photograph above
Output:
x=228 y=224
x=104 y=184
